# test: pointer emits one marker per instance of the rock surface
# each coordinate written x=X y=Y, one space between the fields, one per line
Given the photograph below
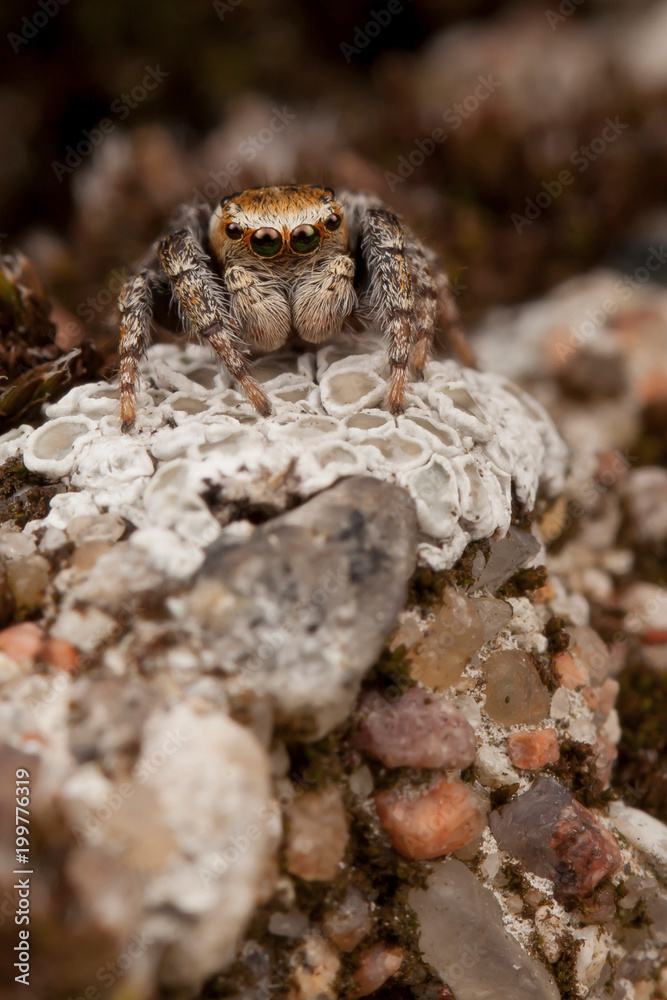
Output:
x=303 y=608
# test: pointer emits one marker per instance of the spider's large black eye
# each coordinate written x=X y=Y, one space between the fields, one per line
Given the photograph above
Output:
x=304 y=239
x=333 y=221
x=266 y=242
x=234 y=231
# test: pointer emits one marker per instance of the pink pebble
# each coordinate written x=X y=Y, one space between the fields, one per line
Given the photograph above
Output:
x=21 y=642
x=433 y=822
x=418 y=729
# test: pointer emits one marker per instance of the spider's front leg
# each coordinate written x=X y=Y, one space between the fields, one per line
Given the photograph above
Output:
x=135 y=304
x=204 y=309
x=391 y=292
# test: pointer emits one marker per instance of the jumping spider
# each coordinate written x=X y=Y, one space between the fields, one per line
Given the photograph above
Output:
x=274 y=264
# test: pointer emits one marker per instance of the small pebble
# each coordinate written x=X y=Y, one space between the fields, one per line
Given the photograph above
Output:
x=315 y=967
x=317 y=835
x=16 y=545
x=532 y=749
x=587 y=646
x=557 y=838
x=607 y=695
x=433 y=822
x=418 y=729
x=293 y=924
x=28 y=579
x=378 y=964
x=572 y=671
x=22 y=642
x=95 y=528
x=60 y=654
x=348 y=923
x=450 y=642
x=514 y=692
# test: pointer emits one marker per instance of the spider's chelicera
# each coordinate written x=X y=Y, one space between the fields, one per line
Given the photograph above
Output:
x=277 y=264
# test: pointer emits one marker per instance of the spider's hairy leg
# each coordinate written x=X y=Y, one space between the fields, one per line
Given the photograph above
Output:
x=426 y=303
x=392 y=299
x=135 y=304
x=203 y=307
x=323 y=299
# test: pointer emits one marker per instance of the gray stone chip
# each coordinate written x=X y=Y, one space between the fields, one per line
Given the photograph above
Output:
x=303 y=608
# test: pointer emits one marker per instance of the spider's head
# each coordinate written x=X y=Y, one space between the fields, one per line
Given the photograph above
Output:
x=280 y=224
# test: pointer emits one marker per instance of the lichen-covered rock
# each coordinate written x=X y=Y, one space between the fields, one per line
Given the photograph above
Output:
x=303 y=607
x=418 y=729
x=464 y=440
x=462 y=936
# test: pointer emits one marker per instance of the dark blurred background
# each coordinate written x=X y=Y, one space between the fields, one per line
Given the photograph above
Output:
x=112 y=112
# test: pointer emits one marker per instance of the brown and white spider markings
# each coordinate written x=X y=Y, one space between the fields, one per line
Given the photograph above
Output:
x=280 y=264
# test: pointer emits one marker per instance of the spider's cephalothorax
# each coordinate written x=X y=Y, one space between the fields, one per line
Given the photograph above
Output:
x=272 y=264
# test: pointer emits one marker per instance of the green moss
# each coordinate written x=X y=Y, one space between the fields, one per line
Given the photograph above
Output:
x=523 y=582
x=24 y=496
x=577 y=769
x=427 y=586
x=501 y=796
x=557 y=637
x=565 y=969
x=641 y=771
x=392 y=668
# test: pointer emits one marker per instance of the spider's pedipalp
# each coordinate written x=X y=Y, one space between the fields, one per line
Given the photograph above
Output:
x=323 y=300
x=135 y=304
x=201 y=300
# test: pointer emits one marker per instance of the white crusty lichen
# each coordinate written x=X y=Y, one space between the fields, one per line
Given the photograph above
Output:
x=466 y=441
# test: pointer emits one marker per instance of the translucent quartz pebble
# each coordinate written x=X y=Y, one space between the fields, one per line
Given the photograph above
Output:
x=514 y=692
x=377 y=965
x=348 y=923
x=495 y=615
x=507 y=556
x=419 y=729
x=463 y=938
x=556 y=837
x=587 y=646
x=450 y=642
